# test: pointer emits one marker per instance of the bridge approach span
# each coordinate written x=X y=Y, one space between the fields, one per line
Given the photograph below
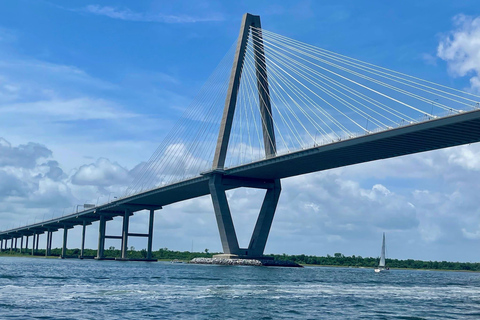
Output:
x=435 y=134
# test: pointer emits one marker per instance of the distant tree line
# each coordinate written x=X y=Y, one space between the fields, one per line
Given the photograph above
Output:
x=337 y=259
x=112 y=252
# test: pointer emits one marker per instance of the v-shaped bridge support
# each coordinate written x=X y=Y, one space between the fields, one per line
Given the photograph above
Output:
x=220 y=182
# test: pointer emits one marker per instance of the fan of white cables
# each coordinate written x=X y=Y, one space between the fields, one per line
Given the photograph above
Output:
x=189 y=147
x=316 y=96
x=319 y=97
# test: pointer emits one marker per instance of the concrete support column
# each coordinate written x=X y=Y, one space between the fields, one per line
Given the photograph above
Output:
x=21 y=244
x=223 y=216
x=47 y=244
x=50 y=243
x=150 y=235
x=126 y=218
x=38 y=239
x=101 y=238
x=83 y=239
x=64 y=246
x=1 y=245
x=26 y=244
x=264 y=221
x=33 y=245
x=11 y=245
x=16 y=244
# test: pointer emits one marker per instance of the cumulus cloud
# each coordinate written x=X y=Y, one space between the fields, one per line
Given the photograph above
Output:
x=11 y=186
x=129 y=15
x=461 y=49
x=34 y=185
x=468 y=158
x=23 y=156
x=175 y=163
x=101 y=173
x=339 y=204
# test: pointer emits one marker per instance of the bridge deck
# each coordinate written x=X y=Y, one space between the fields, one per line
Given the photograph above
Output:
x=435 y=134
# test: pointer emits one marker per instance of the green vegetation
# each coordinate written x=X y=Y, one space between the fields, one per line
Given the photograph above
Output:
x=112 y=252
x=337 y=259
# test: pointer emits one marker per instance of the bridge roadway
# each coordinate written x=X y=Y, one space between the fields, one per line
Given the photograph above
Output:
x=448 y=131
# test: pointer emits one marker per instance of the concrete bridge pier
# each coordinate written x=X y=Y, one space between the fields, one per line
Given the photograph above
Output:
x=47 y=244
x=64 y=245
x=228 y=237
x=38 y=239
x=50 y=243
x=21 y=244
x=82 y=248
x=33 y=244
x=126 y=234
x=101 y=238
x=48 y=247
x=26 y=243
x=150 y=235
x=126 y=222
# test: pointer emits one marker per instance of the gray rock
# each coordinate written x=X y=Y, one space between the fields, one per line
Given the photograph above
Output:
x=244 y=262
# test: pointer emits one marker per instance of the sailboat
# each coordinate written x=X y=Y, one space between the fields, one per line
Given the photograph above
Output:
x=381 y=266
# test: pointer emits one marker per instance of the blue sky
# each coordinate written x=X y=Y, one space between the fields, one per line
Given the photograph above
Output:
x=89 y=89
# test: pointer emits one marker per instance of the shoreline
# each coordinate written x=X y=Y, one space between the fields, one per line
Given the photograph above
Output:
x=18 y=255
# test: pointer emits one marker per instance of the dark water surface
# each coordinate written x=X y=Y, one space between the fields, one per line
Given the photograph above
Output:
x=75 y=289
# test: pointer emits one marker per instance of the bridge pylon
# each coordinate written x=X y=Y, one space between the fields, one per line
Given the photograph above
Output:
x=219 y=182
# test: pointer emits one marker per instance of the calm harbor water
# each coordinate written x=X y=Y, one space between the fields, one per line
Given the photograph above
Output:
x=75 y=289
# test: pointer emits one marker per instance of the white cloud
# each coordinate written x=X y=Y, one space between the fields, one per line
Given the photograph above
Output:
x=23 y=156
x=468 y=158
x=461 y=49
x=129 y=15
x=101 y=173
x=33 y=185
x=471 y=235
x=67 y=110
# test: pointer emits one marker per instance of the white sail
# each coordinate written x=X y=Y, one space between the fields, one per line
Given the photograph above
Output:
x=382 y=256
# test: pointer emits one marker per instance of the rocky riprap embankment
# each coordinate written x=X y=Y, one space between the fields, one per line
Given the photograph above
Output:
x=245 y=262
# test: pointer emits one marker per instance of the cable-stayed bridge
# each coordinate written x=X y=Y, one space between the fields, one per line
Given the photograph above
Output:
x=275 y=108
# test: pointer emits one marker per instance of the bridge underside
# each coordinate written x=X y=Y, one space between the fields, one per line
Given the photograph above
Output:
x=427 y=136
